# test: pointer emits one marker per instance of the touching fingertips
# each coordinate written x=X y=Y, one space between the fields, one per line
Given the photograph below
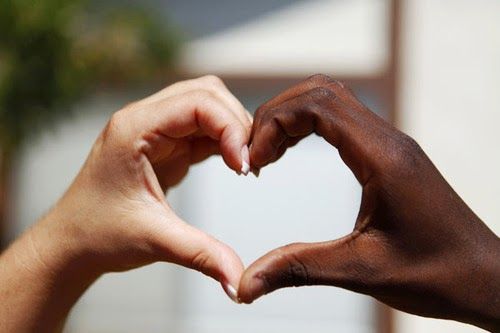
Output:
x=231 y=143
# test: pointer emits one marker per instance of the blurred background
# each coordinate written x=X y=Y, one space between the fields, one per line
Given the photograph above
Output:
x=429 y=67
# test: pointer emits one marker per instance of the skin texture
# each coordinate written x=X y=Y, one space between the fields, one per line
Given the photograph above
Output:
x=416 y=246
x=114 y=216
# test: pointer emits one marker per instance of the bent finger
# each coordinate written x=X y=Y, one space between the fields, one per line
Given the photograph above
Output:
x=209 y=82
x=183 y=115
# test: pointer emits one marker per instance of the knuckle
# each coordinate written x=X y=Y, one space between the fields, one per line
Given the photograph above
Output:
x=200 y=261
x=320 y=79
x=409 y=143
x=203 y=95
x=119 y=118
x=260 y=112
x=341 y=84
x=407 y=154
x=114 y=124
x=116 y=133
x=297 y=273
x=409 y=147
x=213 y=81
x=322 y=93
x=274 y=116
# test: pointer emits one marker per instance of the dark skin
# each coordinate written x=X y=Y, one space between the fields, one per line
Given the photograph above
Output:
x=416 y=245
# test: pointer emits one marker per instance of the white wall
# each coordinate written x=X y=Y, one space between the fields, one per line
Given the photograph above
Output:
x=342 y=37
x=451 y=106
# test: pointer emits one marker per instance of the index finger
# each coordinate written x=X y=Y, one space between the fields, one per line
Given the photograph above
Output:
x=183 y=115
x=329 y=110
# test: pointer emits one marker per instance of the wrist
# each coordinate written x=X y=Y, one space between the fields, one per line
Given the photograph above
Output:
x=476 y=297
x=41 y=278
x=487 y=292
x=57 y=251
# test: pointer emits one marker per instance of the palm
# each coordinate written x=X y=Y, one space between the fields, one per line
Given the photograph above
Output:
x=179 y=155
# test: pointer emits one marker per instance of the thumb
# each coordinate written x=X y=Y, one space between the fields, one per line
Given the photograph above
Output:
x=337 y=263
x=185 y=245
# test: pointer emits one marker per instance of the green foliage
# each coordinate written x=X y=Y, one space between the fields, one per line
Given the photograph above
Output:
x=53 y=52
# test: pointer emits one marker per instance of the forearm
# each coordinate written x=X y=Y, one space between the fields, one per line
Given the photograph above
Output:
x=482 y=296
x=42 y=275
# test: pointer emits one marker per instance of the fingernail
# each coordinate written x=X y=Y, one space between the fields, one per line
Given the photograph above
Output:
x=256 y=172
x=231 y=292
x=245 y=160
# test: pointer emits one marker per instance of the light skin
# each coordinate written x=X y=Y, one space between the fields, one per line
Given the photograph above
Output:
x=114 y=216
x=415 y=246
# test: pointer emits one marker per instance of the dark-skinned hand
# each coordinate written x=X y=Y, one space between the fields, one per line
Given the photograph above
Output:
x=416 y=246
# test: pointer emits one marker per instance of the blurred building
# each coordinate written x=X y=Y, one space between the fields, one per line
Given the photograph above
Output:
x=447 y=97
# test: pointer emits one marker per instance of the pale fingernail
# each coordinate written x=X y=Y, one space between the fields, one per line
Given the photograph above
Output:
x=231 y=292
x=245 y=160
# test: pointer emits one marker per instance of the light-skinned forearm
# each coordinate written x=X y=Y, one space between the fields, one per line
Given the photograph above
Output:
x=42 y=275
